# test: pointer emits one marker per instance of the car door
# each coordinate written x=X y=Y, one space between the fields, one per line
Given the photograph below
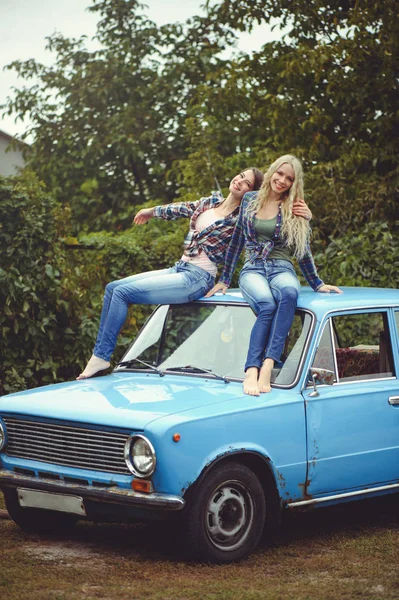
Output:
x=353 y=425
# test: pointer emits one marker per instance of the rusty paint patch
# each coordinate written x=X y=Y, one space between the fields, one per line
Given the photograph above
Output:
x=281 y=480
x=303 y=494
x=316 y=453
x=230 y=450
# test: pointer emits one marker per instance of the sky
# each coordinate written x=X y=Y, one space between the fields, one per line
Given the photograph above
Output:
x=24 y=25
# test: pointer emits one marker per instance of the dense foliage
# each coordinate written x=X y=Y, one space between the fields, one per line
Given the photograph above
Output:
x=40 y=320
x=152 y=115
x=109 y=124
x=153 y=112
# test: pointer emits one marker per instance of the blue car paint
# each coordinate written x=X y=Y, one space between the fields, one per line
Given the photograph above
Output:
x=345 y=455
x=297 y=435
x=121 y=399
x=241 y=424
x=212 y=418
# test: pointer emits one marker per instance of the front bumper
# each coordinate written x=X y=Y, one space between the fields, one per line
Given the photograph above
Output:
x=111 y=495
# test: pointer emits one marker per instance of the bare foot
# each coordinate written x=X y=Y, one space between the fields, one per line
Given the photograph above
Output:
x=265 y=376
x=250 y=384
x=94 y=365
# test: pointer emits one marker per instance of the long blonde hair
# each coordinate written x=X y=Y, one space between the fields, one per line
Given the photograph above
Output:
x=295 y=231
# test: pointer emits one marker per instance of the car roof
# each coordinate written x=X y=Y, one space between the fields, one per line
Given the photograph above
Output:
x=321 y=303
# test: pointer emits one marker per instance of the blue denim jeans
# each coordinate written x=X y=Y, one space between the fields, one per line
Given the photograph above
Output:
x=271 y=289
x=181 y=283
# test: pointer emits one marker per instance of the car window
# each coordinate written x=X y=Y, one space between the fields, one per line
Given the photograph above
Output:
x=208 y=336
x=356 y=347
x=149 y=341
x=286 y=369
x=324 y=357
x=214 y=337
x=397 y=321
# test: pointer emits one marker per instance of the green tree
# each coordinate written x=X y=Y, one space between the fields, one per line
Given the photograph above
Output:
x=327 y=92
x=125 y=125
x=366 y=259
x=108 y=123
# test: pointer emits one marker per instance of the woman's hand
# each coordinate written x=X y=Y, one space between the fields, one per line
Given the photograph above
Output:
x=301 y=209
x=330 y=288
x=218 y=287
x=143 y=216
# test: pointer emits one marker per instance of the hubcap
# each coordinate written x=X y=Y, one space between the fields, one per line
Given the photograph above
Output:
x=229 y=515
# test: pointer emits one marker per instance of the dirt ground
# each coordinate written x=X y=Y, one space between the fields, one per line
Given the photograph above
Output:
x=343 y=552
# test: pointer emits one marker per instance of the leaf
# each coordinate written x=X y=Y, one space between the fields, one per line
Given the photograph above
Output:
x=49 y=270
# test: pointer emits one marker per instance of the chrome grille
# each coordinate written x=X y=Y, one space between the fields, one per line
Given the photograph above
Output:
x=72 y=446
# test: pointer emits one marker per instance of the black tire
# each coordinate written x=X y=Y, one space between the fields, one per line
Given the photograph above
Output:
x=35 y=520
x=227 y=515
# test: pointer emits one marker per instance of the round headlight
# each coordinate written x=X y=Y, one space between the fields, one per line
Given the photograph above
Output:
x=2 y=436
x=140 y=456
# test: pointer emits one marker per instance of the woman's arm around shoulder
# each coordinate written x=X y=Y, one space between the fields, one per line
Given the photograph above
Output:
x=301 y=209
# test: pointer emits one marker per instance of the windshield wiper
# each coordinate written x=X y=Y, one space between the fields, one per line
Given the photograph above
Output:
x=186 y=368
x=128 y=363
x=192 y=369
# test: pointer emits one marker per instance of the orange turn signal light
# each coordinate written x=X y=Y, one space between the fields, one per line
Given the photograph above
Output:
x=142 y=485
x=176 y=437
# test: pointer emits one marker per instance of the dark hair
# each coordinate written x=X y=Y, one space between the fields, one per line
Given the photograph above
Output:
x=258 y=177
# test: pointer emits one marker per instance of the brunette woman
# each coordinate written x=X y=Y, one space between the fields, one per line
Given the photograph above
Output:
x=212 y=222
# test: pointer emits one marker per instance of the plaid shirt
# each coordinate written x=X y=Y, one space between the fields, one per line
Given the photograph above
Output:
x=244 y=233
x=214 y=239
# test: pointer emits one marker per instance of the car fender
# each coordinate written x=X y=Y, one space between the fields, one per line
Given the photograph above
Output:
x=252 y=456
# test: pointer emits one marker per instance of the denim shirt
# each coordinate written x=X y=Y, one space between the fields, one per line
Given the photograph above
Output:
x=244 y=233
x=214 y=239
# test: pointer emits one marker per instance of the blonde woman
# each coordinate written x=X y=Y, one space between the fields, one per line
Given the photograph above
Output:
x=272 y=235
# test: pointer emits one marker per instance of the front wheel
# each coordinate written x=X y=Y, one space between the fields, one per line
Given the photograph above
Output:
x=227 y=516
x=36 y=520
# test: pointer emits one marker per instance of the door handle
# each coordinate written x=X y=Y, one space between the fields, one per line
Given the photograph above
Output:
x=393 y=400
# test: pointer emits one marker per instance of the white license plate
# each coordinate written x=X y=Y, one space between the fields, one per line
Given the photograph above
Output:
x=48 y=501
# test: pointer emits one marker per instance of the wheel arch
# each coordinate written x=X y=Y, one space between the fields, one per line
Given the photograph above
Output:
x=261 y=466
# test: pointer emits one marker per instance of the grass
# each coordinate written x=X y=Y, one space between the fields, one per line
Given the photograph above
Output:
x=344 y=552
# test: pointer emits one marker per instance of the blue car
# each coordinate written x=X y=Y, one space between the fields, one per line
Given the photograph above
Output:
x=170 y=436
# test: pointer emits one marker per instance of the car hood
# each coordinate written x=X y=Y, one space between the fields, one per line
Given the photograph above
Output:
x=128 y=400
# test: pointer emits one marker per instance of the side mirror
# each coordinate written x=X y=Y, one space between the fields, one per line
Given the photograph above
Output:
x=321 y=376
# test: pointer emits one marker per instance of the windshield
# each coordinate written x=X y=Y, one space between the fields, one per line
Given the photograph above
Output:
x=213 y=337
